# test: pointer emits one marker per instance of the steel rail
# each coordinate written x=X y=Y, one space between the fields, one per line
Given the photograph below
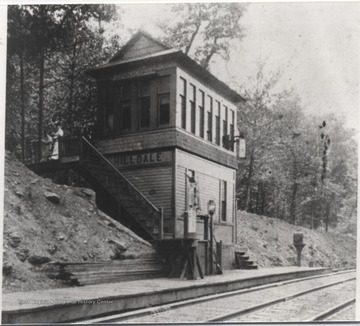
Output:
x=333 y=310
x=166 y=307
x=273 y=302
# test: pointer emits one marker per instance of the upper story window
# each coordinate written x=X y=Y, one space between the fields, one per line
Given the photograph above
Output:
x=210 y=120
x=183 y=102
x=125 y=107
x=106 y=100
x=164 y=100
x=217 y=123
x=144 y=103
x=201 y=113
x=232 y=134
x=192 y=108
x=225 y=127
x=109 y=119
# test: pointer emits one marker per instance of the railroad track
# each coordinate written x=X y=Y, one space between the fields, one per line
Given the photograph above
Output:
x=324 y=297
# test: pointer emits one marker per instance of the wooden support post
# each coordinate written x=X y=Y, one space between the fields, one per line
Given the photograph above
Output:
x=206 y=228
x=211 y=247
x=161 y=224
x=199 y=266
x=219 y=255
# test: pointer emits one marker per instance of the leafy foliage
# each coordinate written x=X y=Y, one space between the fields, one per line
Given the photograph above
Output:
x=50 y=49
x=205 y=29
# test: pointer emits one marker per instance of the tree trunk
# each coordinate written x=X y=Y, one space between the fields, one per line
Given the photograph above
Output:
x=293 y=203
x=41 y=84
x=327 y=217
x=41 y=100
x=22 y=103
x=71 y=92
x=248 y=185
x=263 y=199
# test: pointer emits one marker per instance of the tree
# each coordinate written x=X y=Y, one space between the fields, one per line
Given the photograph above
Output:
x=257 y=119
x=48 y=30
x=205 y=29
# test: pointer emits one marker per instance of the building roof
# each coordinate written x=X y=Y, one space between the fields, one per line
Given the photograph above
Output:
x=159 y=51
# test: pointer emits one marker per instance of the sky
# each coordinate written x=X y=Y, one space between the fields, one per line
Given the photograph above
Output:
x=315 y=45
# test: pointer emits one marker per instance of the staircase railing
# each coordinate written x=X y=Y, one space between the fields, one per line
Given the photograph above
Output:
x=89 y=151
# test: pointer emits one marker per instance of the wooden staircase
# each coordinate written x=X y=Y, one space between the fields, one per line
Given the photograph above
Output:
x=147 y=216
x=106 y=272
x=242 y=260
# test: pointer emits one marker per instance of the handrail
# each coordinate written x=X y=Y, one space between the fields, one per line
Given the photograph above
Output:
x=122 y=175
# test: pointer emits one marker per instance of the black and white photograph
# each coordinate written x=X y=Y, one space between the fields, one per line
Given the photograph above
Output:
x=179 y=162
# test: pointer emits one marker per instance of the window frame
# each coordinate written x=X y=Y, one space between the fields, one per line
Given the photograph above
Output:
x=162 y=93
x=209 y=131
x=183 y=103
x=193 y=109
x=140 y=98
x=202 y=114
x=223 y=201
x=217 y=124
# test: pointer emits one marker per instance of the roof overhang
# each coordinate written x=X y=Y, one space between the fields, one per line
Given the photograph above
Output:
x=182 y=60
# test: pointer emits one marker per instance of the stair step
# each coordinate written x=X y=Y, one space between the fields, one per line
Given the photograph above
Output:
x=118 y=279
x=89 y=275
x=126 y=264
x=252 y=267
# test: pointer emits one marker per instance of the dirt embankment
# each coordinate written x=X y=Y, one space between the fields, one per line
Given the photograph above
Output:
x=270 y=243
x=45 y=223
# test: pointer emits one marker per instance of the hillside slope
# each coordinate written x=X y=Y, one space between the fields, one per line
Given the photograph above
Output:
x=45 y=222
x=270 y=243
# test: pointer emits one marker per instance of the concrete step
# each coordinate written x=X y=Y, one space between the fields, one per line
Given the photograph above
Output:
x=115 y=279
x=144 y=270
x=127 y=266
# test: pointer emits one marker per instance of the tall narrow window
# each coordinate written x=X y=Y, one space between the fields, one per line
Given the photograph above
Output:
x=183 y=102
x=107 y=104
x=232 y=129
x=125 y=108
x=164 y=100
x=109 y=119
x=225 y=129
x=223 y=196
x=201 y=113
x=144 y=104
x=193 y=108
x=210 y=120
x=217 y=124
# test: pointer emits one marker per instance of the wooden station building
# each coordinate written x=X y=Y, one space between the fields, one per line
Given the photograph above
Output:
x=164 y=122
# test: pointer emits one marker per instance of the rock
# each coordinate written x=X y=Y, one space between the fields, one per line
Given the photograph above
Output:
x=7 y=269
x=52 y=197
x=18 y=210
x=19 y=193
x=84 y=258
x=14 y=240
x=61 y=236
x=23 y=254
x=52 y=249
x=88 y=192
x=38 y=260
x=120 y=246
x=111 y=224
x=34 y=181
